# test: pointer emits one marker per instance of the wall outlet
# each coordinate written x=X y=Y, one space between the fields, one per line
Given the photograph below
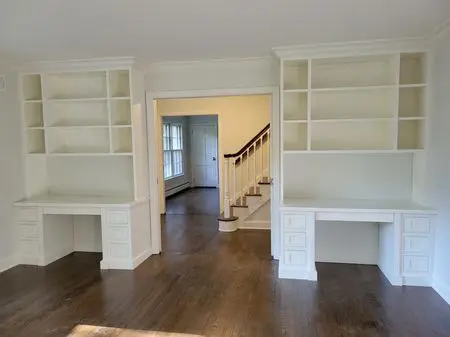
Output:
x=2 y=83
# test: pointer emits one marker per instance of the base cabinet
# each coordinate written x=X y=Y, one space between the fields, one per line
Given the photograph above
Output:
x=406 y=252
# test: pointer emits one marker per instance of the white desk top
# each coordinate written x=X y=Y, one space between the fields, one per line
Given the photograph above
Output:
x=357 y=205
x=79 y=201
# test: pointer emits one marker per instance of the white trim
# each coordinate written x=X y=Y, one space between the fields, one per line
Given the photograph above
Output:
x=7 y=263
x=255 y=224
x=442 y=288
x=288 y=273
x=177 y=189
x=354 y=48
x=228 y=226
x=154 y=153
x=107 y=63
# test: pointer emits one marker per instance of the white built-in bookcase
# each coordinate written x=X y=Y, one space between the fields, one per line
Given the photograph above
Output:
x=369 y=103
x=85 y=132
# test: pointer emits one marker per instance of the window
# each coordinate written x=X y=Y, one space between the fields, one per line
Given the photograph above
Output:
x=173 y=150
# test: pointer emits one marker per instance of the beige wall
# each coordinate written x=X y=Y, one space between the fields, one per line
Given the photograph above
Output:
x=240 y=118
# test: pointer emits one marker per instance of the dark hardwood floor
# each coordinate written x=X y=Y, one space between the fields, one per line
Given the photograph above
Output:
x=203 y=201
x=211 y=284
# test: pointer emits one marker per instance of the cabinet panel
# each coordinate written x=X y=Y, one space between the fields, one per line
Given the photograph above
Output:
x=418 y=244
x=119 y=250
x=118 y=216
x=295 y=257
x=416 y=264
x=297 y=240
x=295 y=222
x=28 y=231
x=118 y=233
x=29 y=247
x=28 y=214
x=417 y=225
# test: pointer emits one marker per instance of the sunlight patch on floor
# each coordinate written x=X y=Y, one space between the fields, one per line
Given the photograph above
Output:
x=100 y=331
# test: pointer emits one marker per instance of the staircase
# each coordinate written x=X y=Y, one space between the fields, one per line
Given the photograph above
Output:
x=247 y=186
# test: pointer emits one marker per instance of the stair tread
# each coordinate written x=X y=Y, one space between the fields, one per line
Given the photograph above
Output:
x=231 y=218
x=253 y=194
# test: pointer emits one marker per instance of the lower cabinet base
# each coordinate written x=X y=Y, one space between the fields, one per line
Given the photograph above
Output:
x=125 y=264
x=290 y=273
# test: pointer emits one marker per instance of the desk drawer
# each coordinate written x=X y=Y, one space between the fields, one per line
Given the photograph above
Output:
x=27 y=214
x=295 y=222
x=420 y=225
x=416 y=264
x=118 y=233
x=295 y=257
x=416 y=244
x=28 y=230
x=297 y=240
x=118 y=216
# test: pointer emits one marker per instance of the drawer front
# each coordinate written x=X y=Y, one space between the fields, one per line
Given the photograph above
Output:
x=119 y=250
x=416 y=264
x=28 y=231
x=294 y=222
x=118 y=233
x=295 y=257
x=416 y=244
x=417 y=225
x=28 y=214
x=29 y=247
x=118 y=216
x=297 y=240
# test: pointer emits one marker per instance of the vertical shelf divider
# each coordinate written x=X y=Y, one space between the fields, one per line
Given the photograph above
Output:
x=108 y=106
x=309 y=103
x=396 y=103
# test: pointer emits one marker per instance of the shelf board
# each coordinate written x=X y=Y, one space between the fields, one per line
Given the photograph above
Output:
x=119 y=98
x=345 y=120
x=419 y=85
x=412 y=118
x=33 y=101
x=295 y=121
x=295 y=90
x=74 y=154
x=77 y=127
x=34 y=127
x=375 y=87
x=81 y=99
x=350 y=151
x=121 y=126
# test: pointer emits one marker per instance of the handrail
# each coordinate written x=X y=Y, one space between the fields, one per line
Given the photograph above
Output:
x=246 y=146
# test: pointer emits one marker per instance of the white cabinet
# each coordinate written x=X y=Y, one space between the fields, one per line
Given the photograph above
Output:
x=297 y=245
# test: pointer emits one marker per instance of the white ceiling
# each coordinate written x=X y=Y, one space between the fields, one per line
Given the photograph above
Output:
x=166 y=30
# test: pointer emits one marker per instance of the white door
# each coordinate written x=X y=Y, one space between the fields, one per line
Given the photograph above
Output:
x=204 y=155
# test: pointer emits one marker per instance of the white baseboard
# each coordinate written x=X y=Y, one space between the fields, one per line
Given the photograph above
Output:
x=141 y=257
x=177 y=189
x=7 y=263
x=255 y=224
x=57 y=256
x=442 y=288
x=295 y=274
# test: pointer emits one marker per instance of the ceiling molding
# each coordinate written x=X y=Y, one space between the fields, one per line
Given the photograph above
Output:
x=81 y=64
x=352 y=48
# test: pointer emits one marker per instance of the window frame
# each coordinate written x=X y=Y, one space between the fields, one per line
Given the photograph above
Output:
x=175 y=152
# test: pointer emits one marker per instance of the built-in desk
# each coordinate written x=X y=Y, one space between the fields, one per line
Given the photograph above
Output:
x=45 y=228
x=406 y=235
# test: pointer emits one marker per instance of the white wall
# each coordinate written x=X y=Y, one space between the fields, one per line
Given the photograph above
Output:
x=437 y=179
x=179 y=183
x=213 y=74
x=11 y=177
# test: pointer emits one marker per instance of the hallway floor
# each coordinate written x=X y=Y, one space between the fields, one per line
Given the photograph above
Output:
x=208 y=283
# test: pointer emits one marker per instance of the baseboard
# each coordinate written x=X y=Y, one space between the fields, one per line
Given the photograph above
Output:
x=57 y=256
x=178 y=189
x=295 y=274
x=31 y=260
x=7 y=263
x=255 y=224
x=141 y=257
x=348 y=261
x=442 y=288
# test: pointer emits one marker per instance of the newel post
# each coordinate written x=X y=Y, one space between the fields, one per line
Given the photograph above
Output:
x=226 y=179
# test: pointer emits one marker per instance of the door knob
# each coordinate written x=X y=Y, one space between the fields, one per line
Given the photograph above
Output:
x=214 y=158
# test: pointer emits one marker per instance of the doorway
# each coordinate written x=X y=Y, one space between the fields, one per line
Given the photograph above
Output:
x=204 y=161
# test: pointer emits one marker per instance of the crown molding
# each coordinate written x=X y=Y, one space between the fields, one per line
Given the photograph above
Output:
x=206 y=62
x=80 y=64
x=352 y=48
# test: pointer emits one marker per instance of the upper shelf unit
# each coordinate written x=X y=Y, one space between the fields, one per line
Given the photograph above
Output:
x=78 y=113
x=361 y=103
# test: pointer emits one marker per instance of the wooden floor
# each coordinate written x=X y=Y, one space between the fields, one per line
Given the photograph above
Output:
x=211 y=284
